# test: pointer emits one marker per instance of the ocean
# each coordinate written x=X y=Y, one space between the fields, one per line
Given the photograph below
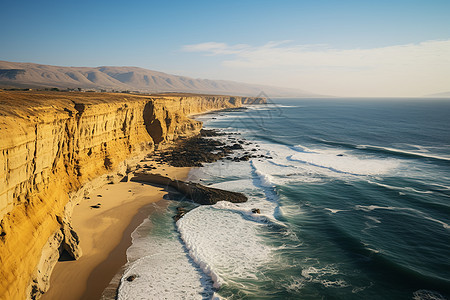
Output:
x=354 y=204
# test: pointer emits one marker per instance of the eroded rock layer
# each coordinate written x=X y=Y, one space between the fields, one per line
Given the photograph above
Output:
x=54 y=147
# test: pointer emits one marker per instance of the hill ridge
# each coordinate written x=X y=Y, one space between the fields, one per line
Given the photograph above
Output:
x=31 y=75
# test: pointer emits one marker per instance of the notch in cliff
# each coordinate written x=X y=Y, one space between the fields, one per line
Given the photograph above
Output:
x=80 y=107
x=152 y=124
x=70 y=241
x=2 y=232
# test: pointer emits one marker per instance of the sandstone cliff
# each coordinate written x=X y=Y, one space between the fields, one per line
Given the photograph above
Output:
x=56 y=146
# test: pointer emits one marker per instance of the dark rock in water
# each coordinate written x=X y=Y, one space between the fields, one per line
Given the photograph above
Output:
x=178 y=216
x=131 y=278
x=181 y=209
x=242 y=158
x=340 y=155
x=192 y=152
x=256 y=211
x=196 y=192
x=210 y=132
x=99 y=196
x=96 y=206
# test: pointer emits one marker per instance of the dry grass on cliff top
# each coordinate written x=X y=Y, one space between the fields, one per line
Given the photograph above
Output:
x=25 y=98
x=30 y=103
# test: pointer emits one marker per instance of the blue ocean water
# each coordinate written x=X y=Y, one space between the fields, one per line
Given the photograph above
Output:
x=355 y=203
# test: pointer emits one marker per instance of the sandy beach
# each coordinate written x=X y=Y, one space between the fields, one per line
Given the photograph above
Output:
x=105 y=235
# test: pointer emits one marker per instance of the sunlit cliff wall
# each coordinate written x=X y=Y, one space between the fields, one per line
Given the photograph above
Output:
x=52 y=146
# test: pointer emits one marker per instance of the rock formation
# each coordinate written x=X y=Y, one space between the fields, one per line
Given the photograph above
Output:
x=56 y=146
x=194 y=191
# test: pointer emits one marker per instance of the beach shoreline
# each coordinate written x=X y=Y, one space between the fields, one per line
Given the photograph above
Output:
x=106 y=220
x=105 y=234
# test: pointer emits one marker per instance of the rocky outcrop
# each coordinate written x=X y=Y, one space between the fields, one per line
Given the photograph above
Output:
x=194 y=191
x=56 y=146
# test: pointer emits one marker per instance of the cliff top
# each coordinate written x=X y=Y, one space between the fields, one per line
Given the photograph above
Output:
x=24 y=104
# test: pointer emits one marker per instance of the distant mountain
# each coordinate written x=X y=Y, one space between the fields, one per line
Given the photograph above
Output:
x=440 y=95
x=29 y=75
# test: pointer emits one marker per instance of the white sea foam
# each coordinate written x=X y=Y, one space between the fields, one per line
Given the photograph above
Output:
x=326 y=270
x=266 y=179
x=241 y=185
x=427 y=295
x=440 y=186
x=328 y=276
x=373 y=250
x=302 y=164
x=334 y=211
x=407 y=209
x=373 y=207
x=373 y=219
x=338 y=161
x=225 y=245
x=162 y=269
x=408 y=189
x=372 y=223
x=356 y=290
x=423 y=154
x=295 y=284
x=279 y=170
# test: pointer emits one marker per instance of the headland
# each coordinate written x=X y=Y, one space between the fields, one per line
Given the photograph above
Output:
x=56 y=149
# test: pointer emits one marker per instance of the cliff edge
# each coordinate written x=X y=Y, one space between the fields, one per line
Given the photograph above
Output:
x=56 y=146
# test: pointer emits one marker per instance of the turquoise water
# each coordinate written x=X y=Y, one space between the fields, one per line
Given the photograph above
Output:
x=354 y=204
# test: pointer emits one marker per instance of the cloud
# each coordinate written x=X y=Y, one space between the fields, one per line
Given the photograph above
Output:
x=213 y=48
x=423 y=65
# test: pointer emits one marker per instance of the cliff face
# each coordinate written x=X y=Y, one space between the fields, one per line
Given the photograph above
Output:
x=53 y=147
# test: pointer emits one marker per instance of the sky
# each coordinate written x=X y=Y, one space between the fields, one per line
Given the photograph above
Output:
x=341 y=48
